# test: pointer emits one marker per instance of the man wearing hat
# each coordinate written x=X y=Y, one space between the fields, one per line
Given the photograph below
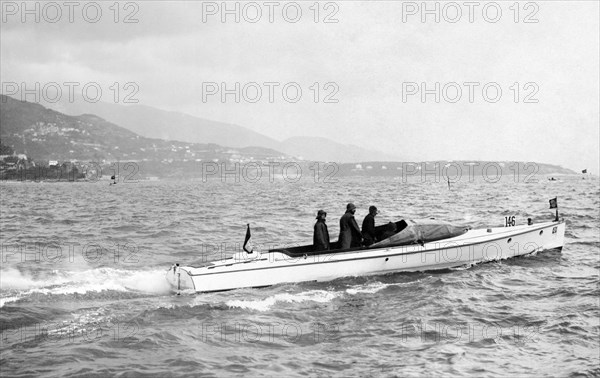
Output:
x=349 y=232
x=321 y=235
x=368 y=226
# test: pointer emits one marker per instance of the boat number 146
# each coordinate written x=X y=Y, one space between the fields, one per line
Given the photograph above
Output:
x=509 y=221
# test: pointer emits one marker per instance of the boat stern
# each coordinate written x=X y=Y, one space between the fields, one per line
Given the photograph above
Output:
x=179 y=278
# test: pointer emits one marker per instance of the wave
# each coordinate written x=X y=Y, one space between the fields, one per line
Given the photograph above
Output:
x=371 y=288
x=3 y=301
x=320 y=296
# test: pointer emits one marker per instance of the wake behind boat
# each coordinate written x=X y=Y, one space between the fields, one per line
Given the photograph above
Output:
x=417 y=246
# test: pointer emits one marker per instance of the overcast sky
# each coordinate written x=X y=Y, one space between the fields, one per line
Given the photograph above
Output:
x=372 y=54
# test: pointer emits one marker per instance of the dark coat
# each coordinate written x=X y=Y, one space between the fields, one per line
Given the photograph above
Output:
x=368 y=229
x=321 y=236
x=349 y=232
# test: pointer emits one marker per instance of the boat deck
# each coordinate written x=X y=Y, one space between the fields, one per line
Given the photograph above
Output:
x=471 y=236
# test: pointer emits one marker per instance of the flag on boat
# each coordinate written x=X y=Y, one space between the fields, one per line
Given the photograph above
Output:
x=584 y=171
x=554 y=203
x=247 y=241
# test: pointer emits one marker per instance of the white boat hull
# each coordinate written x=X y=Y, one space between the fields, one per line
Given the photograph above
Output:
x=475 y=246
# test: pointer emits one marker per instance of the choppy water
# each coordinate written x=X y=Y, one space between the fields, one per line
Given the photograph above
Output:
x=83 y=290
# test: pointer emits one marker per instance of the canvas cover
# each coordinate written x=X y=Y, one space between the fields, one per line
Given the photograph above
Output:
x=426 y=230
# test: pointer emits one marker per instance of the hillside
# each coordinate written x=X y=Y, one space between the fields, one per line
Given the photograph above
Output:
x=455 y=170
x=45 y=134
x=155 y=123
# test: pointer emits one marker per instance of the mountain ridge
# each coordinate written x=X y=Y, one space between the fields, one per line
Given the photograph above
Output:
x=46 y=134
x=152 y=122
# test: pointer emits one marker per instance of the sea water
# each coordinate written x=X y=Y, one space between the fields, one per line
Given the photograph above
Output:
x=82 y=287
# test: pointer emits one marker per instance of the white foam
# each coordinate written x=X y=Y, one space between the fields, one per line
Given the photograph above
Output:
x=368 y=289
x=8 y=300
x=374 y=287
x=262 y=305
x=13 y=279
x=320 y=296
x=147 y=281
x=82 y=282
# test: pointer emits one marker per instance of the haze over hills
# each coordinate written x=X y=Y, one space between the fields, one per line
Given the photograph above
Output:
x=156 y=123
x=323 y=149
x=45 y=134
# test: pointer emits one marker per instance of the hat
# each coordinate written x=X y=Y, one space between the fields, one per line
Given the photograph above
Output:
x=350 y=206
x=321 y=212
x=373 y=208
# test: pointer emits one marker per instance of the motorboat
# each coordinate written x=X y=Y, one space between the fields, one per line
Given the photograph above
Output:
x=420 y=245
